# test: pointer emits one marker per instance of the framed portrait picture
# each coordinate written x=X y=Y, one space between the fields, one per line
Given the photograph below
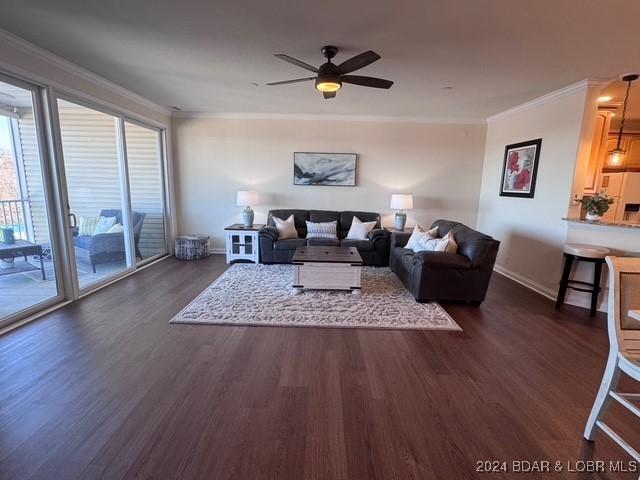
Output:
x=337 y=169
x=520 y=168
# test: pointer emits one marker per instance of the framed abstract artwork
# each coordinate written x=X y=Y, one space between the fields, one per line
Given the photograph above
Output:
x=520 y=168
x=337 y=169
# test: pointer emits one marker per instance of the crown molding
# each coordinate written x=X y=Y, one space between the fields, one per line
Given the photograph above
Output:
x=554 y=95
x=325 y=117
x=74 y=69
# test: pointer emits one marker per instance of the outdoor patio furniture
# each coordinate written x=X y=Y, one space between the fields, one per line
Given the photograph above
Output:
x=109 y=247
x=22 y=248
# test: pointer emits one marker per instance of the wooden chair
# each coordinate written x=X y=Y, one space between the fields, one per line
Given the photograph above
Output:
x=624 y=347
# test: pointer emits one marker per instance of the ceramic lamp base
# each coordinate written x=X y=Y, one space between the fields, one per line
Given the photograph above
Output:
x=400 y=220
x=247 y=216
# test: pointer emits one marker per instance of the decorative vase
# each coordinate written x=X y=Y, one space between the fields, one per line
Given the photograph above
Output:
x=247 y=216
x=400 y=220
x=592 y=217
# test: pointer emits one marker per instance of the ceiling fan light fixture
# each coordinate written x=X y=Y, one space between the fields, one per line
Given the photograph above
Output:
x=328 y=84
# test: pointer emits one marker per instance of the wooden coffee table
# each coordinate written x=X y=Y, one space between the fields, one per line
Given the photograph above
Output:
x=326 y=268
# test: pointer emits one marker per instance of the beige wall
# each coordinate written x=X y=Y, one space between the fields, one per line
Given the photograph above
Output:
x=531 y=230
x=440 y=164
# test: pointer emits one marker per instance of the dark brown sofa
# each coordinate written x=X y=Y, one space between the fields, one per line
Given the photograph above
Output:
x=374 y=250
x=463 y=276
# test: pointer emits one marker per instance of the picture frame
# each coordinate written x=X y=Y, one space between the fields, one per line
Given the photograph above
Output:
x=520 y=169
x=325 y=169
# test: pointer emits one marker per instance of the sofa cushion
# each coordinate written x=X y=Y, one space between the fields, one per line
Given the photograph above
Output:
x=444 y=244
x=443 y=260
x=299 y=219
x=322 y=230
x=346 y=219
x=324 y=242
x=104 y=224
x=419 y=234
x=289 y=244
x=362 y=245
x=286 y=227
x=360 y=230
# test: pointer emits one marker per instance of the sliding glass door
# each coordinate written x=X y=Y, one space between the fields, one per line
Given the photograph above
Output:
x=91 y=149
x=146 y=189
x=82 y=197
x=29 y=279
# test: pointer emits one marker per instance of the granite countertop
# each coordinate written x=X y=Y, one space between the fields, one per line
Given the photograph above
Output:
x=602 y=223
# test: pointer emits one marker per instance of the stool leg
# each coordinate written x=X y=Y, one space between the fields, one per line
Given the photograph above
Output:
x=597 y=272
x=564 y=281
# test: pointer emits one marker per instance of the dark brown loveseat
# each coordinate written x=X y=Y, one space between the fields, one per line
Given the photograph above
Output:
x=463 y=276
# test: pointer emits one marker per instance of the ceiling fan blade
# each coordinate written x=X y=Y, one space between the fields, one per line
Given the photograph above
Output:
x=297 y=62
x=328 y=95
x=286 y=82
x=366 y=81
x=358 y=62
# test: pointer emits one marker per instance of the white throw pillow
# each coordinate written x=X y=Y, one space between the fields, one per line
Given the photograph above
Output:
x=87 y=226
x=104 y=224
x=322 y=229
x=359 y=230
x=445 y=244
x=419 y=234
x=286 y=228
x=117 y=228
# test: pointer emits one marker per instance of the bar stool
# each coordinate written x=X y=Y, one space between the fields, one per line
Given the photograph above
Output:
x=582 y=253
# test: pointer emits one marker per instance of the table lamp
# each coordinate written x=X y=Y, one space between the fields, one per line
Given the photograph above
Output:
x=246 y=198
x=401 y=202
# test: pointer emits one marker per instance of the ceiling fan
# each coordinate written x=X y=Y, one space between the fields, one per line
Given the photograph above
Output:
x=330 y=77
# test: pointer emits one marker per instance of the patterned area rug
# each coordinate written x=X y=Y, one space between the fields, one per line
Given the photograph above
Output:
x=248 y=294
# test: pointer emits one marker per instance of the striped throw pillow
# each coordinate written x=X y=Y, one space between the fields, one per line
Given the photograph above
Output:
x=322 y=230
x=87 y=226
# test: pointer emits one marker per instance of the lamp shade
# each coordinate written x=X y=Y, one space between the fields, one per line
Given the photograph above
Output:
x=400 y=201
x=246 y=198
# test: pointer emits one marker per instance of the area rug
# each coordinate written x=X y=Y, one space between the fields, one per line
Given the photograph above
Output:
x=248 y=294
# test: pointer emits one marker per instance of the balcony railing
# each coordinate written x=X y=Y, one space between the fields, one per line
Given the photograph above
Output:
x=13 y=215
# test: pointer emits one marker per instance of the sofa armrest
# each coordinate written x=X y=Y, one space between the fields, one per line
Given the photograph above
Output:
x=378 y=234
x=399 y=239
x=441 y=260
x=269 y=232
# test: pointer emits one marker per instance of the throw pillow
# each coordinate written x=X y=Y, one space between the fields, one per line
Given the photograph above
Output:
x=286 y=228
x=104 y=224
x=87 y=226
x=117 y=228
x=445 y=244
x=360 y=230
x=322 y=230
x=419 y=234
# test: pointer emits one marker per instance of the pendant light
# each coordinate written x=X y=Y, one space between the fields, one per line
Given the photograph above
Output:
x=615 y=155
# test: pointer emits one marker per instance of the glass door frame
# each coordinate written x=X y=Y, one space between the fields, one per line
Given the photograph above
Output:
x=50 y=184
x=121 y=119
x=162 y=148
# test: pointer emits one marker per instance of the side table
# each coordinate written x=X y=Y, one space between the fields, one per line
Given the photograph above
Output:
x=243 y=243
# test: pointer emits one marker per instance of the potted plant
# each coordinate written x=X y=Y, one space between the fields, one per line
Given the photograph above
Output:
x=596 y=205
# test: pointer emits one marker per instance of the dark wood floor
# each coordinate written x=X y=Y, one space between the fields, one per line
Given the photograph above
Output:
x=106 y=388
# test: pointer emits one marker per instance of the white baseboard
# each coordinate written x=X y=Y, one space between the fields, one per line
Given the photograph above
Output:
x=217 y=251
x=578 y=299
x=530 y=284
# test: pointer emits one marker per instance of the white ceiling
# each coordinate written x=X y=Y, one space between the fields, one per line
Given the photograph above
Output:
x=205 y=55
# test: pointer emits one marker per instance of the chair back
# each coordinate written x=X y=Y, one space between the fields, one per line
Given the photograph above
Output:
x=624 y=295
